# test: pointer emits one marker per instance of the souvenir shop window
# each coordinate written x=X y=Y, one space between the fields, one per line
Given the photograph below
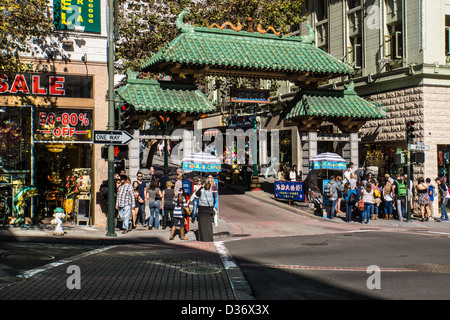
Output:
x=443 y=161
x=15 y=138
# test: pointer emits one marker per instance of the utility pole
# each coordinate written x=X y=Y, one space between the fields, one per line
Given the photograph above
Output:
x=111 y=183
x=409 y=136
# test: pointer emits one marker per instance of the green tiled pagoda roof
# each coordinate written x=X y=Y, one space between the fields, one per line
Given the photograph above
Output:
x=164 y=96
x=242 y=50
x=334 y=104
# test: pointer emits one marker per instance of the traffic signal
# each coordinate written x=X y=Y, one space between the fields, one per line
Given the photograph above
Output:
x=418 y=157
x=124 y=116
x=120 y=152
x=410 y=130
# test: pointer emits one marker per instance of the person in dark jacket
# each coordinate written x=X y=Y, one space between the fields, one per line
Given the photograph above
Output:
x=167 y=204
x=206 y=211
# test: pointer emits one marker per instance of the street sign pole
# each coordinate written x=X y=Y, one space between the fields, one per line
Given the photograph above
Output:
x=111 y=185
x=408 y=172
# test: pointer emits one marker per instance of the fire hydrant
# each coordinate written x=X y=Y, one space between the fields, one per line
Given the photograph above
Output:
x=59 y=215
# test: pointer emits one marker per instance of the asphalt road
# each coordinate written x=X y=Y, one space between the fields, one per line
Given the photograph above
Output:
x=335 y=266
x=286 y=256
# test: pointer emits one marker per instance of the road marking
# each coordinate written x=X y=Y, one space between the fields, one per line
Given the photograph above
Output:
x=321 y=268
x=241 y=288
x=29 y=273
x=436 y=232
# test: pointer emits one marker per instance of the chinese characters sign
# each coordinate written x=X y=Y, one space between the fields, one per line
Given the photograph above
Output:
x=213 y=167
x=77 y=15
x=289 y=190
x=250 y=95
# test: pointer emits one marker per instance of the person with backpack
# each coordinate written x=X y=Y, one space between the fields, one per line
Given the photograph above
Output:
x=400 y=191
x=350 y=197
x=331 y=192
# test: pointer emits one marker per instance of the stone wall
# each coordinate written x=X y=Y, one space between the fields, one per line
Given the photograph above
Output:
x=401 y=105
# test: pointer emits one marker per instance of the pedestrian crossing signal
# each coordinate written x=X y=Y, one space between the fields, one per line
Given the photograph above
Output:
x=120 y=152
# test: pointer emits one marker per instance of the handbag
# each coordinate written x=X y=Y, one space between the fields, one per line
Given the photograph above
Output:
x=186 y=212
x=212 y=208
x=361 y=205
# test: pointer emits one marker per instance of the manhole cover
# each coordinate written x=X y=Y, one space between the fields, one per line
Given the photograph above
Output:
x=201 y=270
x=15 y=256
x=430 y=267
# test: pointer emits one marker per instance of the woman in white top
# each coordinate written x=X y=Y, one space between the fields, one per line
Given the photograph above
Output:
x=388 y=197
x=194 y=199
x=368 y=198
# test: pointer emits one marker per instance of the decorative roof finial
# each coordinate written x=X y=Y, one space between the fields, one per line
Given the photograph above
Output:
x=311 y=37
x=249 y=24
x=183 y=27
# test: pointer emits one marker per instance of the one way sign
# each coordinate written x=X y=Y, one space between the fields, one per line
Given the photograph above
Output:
x=112 y=137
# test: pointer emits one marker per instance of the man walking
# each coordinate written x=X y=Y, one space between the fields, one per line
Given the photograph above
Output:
x=400 y=191
x=444 y=196
x=125 y=201
x=142 y=196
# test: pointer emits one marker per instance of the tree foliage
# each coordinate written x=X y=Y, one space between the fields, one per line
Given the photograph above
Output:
x=145 y=26
x=24 y=26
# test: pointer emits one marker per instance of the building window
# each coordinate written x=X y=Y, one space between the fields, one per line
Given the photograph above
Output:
x=322 y=10
x=447 y=38
x=354 y=52
x=353 y=3
x=393 y=43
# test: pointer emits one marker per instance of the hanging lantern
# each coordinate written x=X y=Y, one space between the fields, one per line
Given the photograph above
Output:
x=57 y=147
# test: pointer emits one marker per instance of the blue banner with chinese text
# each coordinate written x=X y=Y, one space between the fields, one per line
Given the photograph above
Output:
x=289 y=190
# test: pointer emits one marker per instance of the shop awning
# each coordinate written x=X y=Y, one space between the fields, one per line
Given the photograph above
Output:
x=334 y=104
x=215 y=51
x=147 y=95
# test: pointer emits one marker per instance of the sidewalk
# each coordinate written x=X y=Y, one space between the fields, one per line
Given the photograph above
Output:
x=140 y=265
x=266 y=194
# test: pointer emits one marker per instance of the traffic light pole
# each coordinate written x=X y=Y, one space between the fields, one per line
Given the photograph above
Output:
x=409 y=133
x=111 y=184
x=408 y=173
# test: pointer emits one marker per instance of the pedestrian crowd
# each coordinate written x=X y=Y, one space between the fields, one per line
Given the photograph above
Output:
x=168 y=203
x=360 y=194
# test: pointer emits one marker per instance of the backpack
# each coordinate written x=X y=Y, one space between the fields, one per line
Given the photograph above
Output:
x=353 y=198
x=388 y=187
x=329 y=189
x=401 y=189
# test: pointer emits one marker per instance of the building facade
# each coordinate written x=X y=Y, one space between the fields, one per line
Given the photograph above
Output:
x=400 y=50
x=48 y=112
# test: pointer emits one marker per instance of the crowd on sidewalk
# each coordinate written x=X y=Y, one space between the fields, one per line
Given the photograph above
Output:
x=168 y=204
x=370 y=198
